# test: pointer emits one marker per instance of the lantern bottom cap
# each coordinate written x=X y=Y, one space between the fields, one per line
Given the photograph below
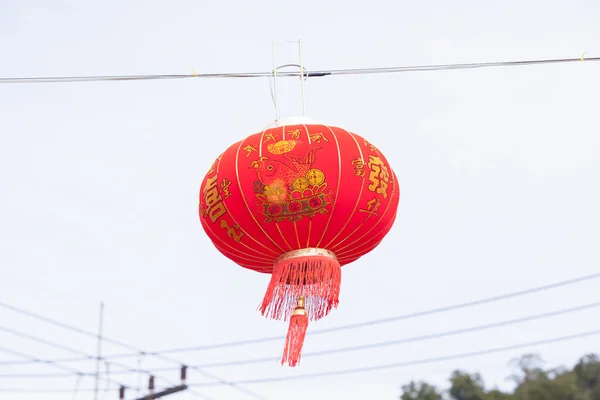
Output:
x=293 y=121
x=306 y=252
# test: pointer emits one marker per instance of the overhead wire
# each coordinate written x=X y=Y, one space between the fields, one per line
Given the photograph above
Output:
x=367 y=346
x=371 y=368
x=308 y=74
x=380 y=367
x=54 y=364
x=362 y=324
x=124 y=345
x=321 y=73
x=400 y=317
x=413 y=339
x=350 y=326
x=74 y=351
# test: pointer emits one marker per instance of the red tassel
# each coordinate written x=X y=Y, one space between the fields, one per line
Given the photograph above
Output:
x=316 y=277
x=295 y=336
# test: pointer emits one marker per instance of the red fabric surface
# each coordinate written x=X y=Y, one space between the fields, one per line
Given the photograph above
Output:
x=298 y=186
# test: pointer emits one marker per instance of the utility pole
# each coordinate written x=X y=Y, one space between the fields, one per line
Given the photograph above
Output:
x=99 y=351
x=174 y=389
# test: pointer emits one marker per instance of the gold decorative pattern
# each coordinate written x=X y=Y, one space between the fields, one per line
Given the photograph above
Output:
x=359 y=166
x=269 y=136
x=317 y=137
x=379 y=176
x=261 y=257
x=287 y=187
x=233 y=232
x=281 y=147
x=225 y=188
x=372 y=208
x=249 y=149
x=237 y=157
x=295 y=134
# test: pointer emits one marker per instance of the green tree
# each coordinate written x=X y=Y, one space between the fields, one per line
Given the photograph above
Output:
x=533 y=382
x=587 y=376
x=465 y=386
x=496 y=394
x=529 y=366
x=420 y=391
x=548 y=385
x=530 y=376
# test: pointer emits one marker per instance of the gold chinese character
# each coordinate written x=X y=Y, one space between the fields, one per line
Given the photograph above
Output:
x=379 y=176
x=269 y=136
x=359 y=166
x=316 y=137
x=214 y=207
x=232 y=232
x=295 y=133
x=372 y=207
x=225 y=188
x=249 y=149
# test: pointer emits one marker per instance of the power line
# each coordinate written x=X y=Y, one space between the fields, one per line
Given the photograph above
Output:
x=75 y=351
x=371 y=368
x=306 y=74
x=417 y=314
x=124 y=345
x=35 y=360
x=71 y=350
x=48 y=390
x=363 y=324
x=380 y=367
x=413 y=338
x=410 y=339
x=54 y=364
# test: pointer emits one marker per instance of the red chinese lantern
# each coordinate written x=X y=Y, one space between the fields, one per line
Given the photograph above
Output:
x=298 y=201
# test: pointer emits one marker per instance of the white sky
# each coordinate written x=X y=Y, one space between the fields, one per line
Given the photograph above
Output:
x=499 y=171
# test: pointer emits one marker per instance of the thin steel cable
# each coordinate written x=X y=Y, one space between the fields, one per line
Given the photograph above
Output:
x=367 y=346
x=318 y=73
x=396 y=318
x=371 y=368
x=54 y=364
x=412 y=339
x=115 y=342
x=72 y=350
x=400 y=317
x=380 y=367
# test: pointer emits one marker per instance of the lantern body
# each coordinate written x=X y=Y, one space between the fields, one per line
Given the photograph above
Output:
x=299 y=200
x=298 y=186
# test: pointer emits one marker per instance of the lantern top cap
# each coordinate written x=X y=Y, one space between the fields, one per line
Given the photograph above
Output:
x=293 y=121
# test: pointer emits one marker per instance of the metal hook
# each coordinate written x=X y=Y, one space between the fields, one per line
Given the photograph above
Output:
x=273 y=84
